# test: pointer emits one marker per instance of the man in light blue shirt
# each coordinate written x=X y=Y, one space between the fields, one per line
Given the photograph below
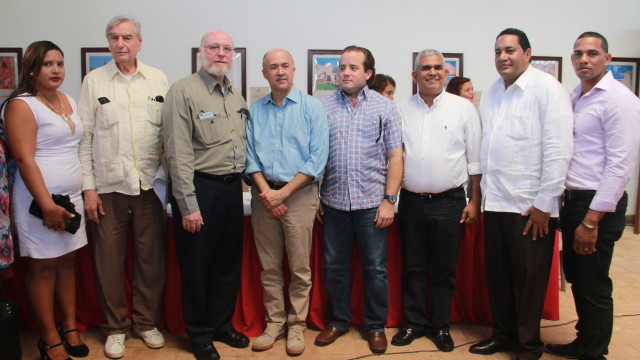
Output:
x=287 y=149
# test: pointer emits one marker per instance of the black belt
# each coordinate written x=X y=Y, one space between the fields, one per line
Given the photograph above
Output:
x=276 y=185
x=579 y=194
x=446 y=193
x=227 y=178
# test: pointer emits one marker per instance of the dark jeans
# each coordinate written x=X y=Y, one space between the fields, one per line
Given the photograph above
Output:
x=589 y=274
x=517 y=269
x=339 y=230
x=210 y=260
x=431 y=233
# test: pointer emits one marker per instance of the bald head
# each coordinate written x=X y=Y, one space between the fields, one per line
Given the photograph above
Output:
x=279 y=70
x=276 y=52
x=216 y=34
x=216 y=53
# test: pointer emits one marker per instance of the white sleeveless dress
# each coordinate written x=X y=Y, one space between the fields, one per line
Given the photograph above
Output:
x=57 y=157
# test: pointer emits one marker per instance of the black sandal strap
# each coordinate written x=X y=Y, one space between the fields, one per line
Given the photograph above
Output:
x=49 y=347
x=69 y=331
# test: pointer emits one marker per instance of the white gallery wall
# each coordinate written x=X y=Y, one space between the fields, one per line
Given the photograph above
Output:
x=392 y=30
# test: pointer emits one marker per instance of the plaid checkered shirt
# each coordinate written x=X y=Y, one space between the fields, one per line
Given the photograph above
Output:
x=359 y=138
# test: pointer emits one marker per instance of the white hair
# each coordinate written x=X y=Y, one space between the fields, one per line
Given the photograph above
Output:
x=427 y=52
x=122 y=18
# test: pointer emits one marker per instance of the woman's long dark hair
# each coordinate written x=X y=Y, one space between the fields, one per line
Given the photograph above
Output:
x=31 y=65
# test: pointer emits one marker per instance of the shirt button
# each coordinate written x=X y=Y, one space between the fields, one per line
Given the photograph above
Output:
x=277 y=145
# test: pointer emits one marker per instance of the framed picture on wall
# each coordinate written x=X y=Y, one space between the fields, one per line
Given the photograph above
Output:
x=452 y=61
x=238 y=74
x=10 y=64
x=625 y=70
x=322 y=66
x=93 y=58
x=552 y=65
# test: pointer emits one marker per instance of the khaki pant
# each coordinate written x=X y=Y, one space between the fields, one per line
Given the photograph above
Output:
x=291 y=233
x=109 y=249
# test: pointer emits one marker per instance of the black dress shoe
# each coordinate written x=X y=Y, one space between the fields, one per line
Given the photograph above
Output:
x=442 y=339
x=489 y=347
x=569 y=351
x=232 y=338
x=205 y=352
x=406 y=336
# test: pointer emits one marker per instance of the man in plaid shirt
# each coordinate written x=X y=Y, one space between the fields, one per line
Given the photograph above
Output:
x=358 y=195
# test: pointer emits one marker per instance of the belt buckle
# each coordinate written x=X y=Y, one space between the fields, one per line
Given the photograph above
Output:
x=227 y=178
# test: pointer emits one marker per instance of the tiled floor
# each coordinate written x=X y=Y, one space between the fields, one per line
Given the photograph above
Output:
x=624 y=345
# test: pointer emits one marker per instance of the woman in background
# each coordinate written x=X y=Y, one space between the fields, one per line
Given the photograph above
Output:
x=44 y=131
x=461 y=86
x=385 y=85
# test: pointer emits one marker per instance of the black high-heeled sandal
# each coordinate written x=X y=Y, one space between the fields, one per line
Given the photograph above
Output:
x=44 y=349
x=73 y=350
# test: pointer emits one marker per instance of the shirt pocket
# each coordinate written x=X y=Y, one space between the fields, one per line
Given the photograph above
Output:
x=152 y=129
x=212 y=130
x=371 y=130
x=106 y=133
x=519 y=127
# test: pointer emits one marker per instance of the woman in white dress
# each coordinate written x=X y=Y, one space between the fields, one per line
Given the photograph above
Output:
x=44 y=130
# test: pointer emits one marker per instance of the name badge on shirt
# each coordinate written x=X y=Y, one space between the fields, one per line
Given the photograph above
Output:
x=207 y=115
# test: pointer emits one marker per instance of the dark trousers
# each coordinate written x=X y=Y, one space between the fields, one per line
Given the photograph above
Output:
x=589 y=274
x=431 y=233
x=210 y=260
x=517 y=270
x=340 y=227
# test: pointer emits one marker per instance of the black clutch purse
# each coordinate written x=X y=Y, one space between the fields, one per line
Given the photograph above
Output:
x=65 y=202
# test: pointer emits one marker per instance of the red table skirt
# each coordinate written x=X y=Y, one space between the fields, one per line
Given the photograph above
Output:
x=470 y=303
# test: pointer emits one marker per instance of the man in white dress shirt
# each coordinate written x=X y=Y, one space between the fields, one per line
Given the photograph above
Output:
x=441 y=134
x=606 y=134
x=526 y=147
x=120 y=152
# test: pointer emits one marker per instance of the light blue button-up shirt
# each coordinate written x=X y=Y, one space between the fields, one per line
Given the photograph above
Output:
x=284 y=141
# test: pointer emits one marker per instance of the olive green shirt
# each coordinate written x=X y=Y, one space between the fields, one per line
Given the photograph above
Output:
x=204 y=131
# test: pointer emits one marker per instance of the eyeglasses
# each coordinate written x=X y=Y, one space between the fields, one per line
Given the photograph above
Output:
x=215 y=48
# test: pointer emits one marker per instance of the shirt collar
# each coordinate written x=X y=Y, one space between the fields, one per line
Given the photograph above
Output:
x=113 y=69
x=523 y=79
x=211 y=83
x=362 y=94
x=604 y=84
x=420 y=101
x=294 y=95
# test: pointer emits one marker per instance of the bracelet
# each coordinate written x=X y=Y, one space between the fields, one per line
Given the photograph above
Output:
x=590 y=227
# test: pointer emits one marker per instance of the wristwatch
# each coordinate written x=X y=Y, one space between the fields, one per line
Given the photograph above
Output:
x=392 y=198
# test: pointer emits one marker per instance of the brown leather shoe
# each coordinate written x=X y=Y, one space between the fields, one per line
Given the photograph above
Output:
x=378 y=342
x=328 y=336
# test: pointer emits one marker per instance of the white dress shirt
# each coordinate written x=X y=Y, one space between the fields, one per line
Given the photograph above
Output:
x=606 y=134
x=122 y=143
x=527 y=143
x=441 y=143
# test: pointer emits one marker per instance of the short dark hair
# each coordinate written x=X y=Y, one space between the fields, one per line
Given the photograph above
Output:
x=593 y=34
x=380 y=82
x=455 y=84
x=523 y=40
x=369 y=61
